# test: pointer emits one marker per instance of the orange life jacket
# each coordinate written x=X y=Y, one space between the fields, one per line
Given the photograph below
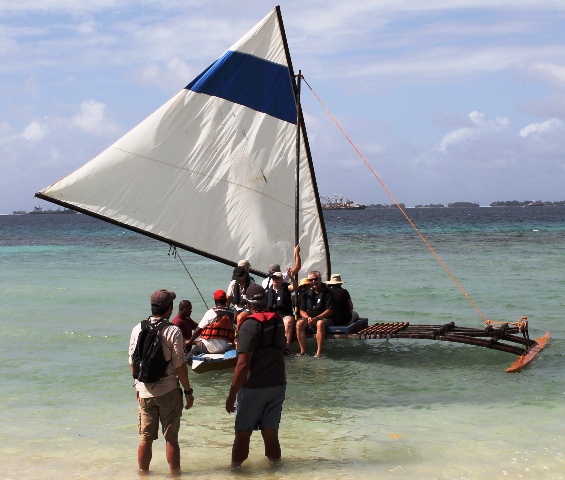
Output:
x=222 y=327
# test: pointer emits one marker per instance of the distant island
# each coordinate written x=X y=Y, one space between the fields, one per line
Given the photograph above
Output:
x=507 y=203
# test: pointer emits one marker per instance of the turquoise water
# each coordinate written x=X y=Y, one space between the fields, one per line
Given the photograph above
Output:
x=73 y=287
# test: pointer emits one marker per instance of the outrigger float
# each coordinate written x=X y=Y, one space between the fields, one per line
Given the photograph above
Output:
x=510 y=338
x=227 y=152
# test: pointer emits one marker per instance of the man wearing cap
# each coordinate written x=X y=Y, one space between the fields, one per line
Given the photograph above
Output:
x=290 y=272
x=342 y=307
x=315 y=312
x=215 y=330
x=259 y=380
x=238 y=286
x=163 y=400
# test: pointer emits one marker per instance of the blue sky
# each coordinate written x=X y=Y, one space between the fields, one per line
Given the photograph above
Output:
x=448 y=100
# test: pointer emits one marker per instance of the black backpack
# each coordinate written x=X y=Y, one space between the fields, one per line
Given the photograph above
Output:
x=149 y=364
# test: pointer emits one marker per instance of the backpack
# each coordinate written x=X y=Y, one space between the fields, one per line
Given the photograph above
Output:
x=149 y=364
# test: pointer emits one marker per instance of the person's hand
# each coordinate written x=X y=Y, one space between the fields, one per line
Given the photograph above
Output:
x=189 y=402
x=230 y=404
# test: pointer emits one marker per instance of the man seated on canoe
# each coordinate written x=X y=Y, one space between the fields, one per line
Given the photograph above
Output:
x=245 y=263
x=315 y=312
x=237 y=288
x=215 y=329
x=286 y=276
x=279 y=300
x=342 y=308
x=184 y=321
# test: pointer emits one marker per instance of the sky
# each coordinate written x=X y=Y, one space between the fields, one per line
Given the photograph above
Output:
x=447 y=100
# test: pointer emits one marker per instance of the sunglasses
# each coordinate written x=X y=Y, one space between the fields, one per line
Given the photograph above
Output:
x=315 y=279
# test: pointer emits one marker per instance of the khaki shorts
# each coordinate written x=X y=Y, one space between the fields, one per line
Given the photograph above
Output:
x=167 y=409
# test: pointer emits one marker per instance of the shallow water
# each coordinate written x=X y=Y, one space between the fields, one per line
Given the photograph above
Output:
x=73 y=287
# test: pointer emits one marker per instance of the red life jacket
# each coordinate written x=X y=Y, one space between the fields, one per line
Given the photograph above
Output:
x=222 y=327
x=261 y=317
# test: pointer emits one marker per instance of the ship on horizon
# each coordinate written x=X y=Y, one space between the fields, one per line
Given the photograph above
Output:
x=338 y=203
x=59 y=210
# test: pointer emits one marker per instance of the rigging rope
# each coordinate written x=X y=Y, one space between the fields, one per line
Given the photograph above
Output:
x=420 y=234
x=173 y=251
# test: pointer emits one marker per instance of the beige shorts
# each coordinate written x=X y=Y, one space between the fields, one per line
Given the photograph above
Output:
x=167 y=409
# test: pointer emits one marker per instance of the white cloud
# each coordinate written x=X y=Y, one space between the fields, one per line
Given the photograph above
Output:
x=91 y=119
x=553 y=72
x=34 y=131
x=543 y=127
x=478 y=128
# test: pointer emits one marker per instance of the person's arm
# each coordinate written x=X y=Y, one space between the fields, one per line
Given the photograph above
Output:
x=195 y=335
x=297 y=262
x=293 y=284
x=350 y=305
x=241 y=315
x=239 y=376
x=182 y=373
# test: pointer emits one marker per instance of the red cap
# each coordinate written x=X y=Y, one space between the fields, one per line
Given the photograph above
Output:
x=220 y=295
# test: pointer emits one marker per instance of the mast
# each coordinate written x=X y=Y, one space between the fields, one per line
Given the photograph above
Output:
x=297 y=191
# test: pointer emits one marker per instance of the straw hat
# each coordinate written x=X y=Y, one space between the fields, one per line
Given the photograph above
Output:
x=335 y=279
x=304 y=282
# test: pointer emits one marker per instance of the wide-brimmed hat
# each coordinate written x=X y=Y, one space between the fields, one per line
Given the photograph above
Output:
x=335 y=279
x=304 y=282
x=162 y=298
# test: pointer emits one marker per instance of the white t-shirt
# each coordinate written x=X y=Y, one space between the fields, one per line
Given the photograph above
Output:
x=213 y=345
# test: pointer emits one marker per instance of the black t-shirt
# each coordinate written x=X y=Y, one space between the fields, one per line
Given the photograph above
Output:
x=341 y=315
x=267 y=341
x=315 y=304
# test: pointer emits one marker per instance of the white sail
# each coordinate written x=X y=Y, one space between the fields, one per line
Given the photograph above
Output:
x=213 y=170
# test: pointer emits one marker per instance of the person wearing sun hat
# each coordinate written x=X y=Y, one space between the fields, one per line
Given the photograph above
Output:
x=342 y=311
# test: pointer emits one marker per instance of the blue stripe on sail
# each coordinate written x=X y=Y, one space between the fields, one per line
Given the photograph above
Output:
x=249 y=81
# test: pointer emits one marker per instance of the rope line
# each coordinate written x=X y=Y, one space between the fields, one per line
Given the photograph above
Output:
x=420 y=234
x=173 y=251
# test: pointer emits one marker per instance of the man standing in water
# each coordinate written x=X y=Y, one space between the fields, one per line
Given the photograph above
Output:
x=162 y=400
x=259 y=380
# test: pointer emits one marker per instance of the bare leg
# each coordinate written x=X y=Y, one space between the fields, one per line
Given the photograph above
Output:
x=173 y=457
x=320 y=335
x=301 y=335
x=240 y=449
x=288 y=326
x=272 y=445
x=144 y=454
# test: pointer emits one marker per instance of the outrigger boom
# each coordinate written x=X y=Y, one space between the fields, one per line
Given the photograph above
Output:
x=512 y=339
